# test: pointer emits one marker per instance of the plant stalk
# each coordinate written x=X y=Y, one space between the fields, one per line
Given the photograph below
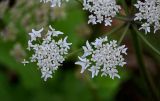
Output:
x=147 y=77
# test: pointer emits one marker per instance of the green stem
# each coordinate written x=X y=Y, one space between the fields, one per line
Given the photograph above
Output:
x=127 y=19
x=125 y=6
x=113 y=30
x=124 y=18
x=73 y=53
x=124 y=33
x=150 y=84
x=146 y=41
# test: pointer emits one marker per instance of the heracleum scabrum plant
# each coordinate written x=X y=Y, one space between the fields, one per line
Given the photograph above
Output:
x=100 y=55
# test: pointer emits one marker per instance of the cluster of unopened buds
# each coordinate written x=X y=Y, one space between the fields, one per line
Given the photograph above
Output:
x=101 y=56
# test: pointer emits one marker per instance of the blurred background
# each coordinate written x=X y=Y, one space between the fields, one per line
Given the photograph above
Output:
x=19 y=83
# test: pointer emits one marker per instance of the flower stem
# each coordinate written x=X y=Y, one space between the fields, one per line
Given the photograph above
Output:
x=146 y=41
x=125 y=6
x=114 y=30
x=124 y=33
x=147 y=77
x=74 y=52
x=124 y=18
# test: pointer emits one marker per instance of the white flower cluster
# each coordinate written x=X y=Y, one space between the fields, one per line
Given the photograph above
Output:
x=48 y=53
x=102 y=56
x=54 y=2
x=101 y=10
x=149 y=11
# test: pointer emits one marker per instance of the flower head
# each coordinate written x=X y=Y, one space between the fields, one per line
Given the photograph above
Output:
x=54 y=2
x=149 y=12
x=101 y=10
x=48 y=53
x=102 y=56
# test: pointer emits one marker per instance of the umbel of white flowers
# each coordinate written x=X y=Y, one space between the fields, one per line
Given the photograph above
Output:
x=101 y=10
x=47 y=53
x=102 y=56
x=149 y=12
x=54 y=2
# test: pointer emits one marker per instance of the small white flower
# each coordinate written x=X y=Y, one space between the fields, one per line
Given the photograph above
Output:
x=98 y=43
x=94 y=70
x=54 y=2
x=102 y=56
x=35 y=34
x=111 y=71
x=87 y=49
x=48 y=53
x=46 y=73
x=101 y=10
x=52 y=32
x=84 y=63
x=149 y=12
x=24 y=62
x=92 y=19
x=146 y=27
